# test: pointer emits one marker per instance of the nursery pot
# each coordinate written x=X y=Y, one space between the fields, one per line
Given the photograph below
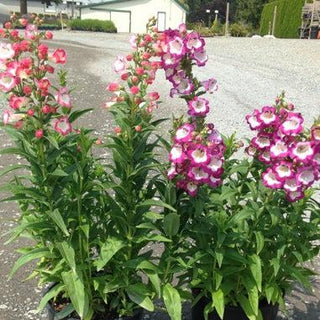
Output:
x=269 y=311
x=52 y=314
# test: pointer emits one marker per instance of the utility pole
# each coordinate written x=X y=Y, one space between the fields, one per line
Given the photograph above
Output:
x=227 y=20
x=312 y=17
x=274 y=19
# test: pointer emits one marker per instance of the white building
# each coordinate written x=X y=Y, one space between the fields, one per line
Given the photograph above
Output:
x=132 y=15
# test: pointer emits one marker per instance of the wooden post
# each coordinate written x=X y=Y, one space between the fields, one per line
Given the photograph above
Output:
x=269 y=33
x=227 y=20
x=61 y=21
x=312 y=17
x=274 y=19
x=23 y=7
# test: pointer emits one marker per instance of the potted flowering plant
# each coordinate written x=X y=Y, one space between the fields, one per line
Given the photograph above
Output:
x=243 y=228
x=89 y=223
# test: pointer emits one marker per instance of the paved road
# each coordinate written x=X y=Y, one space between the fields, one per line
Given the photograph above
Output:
x=251 y=72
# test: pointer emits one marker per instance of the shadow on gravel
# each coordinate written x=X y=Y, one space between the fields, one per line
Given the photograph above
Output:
x=312 y=312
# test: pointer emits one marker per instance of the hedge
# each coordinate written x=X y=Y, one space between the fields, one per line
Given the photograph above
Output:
x=288 y=19
x=93 y=25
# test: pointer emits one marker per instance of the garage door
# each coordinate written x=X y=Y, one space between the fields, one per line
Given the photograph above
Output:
x=122 y=20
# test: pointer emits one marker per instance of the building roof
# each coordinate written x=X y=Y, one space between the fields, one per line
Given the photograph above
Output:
x=178 y=2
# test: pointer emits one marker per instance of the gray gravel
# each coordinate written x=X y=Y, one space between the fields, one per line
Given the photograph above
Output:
x=250 y=73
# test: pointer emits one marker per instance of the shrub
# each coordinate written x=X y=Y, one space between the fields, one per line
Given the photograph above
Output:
x=93 y=25
x=288 y=18
x=239 y=30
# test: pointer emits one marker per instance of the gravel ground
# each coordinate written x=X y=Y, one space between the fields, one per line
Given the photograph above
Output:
x=250 y=73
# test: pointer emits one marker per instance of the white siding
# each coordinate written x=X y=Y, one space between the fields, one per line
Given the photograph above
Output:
x=141 y=11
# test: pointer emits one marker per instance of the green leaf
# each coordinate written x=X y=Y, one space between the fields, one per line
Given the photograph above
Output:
x=12 y=168
x=76 y=291
x=57 y=218
x=76 y=114
x=275 y=262
x=53 y=141
x=107 y=251
x=29 y=256
x=218 y=302
x=171 y=224
x=52 y=293
x=219 y=257
x=259 y=241
x=172 y=302
x=156 y=203
x=245 y=305
x=68 y=254
x=269 y=290
x=59 y=173
x=155 y=280
x=255 y=268
x=139 y=295
x=242 y=215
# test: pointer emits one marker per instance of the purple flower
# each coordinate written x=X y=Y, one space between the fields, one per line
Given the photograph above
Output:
x=198 y=107
x=210 y=85
x=270 y=179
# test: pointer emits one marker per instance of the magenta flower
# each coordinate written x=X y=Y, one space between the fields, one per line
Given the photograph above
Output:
x=185 y=87
x=200 y=57
x=292 y=125
x=176 y=47
x=169 y=60
x=198 y=107
x=283 y=170
x=315 y=133
x=270 y=179
x=191 y=188
x=293 y=196
x=291 y=184
x=7 y=81
x=302 y=151
x=267 y=116
x=253 y=121
x=261 y=142
x=63 y=126
x=184 y=133
x=177 y=154
x=214 y=182
x=198 y=175
x=63 y=97
x=194 y=42
x=279 y=149
x=210 y=85
x=265 y=157
x=215 y=166
x=17 y=102
x=306 y=176
x=199 y=155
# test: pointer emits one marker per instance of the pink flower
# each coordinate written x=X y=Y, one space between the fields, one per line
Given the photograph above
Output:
x=214 y=182
x=31 y=31
x=184 y=133
x=133 y=41
x=120 y=65
x=6 y=51
x=23 y=21
x=172 y=172
x=17 y=102
x=7 y=81
x=63 y=97
x=48 y=35
x=134 y=90
x=215 y=166
x=44 y=84
x=270 y=179
x=153 y=96
x=210 y=85
x=315 y=133
x=6 y=117
x=59 y=56
x=198 y=107
x=113 y=87
x=261 y=141
x=63 y=126
x=38 y=134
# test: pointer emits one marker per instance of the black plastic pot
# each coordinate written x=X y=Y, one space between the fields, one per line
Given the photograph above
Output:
x=137 y=316
x=269 y=312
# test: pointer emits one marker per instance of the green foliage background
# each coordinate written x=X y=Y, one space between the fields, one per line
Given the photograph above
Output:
x=288 y=18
